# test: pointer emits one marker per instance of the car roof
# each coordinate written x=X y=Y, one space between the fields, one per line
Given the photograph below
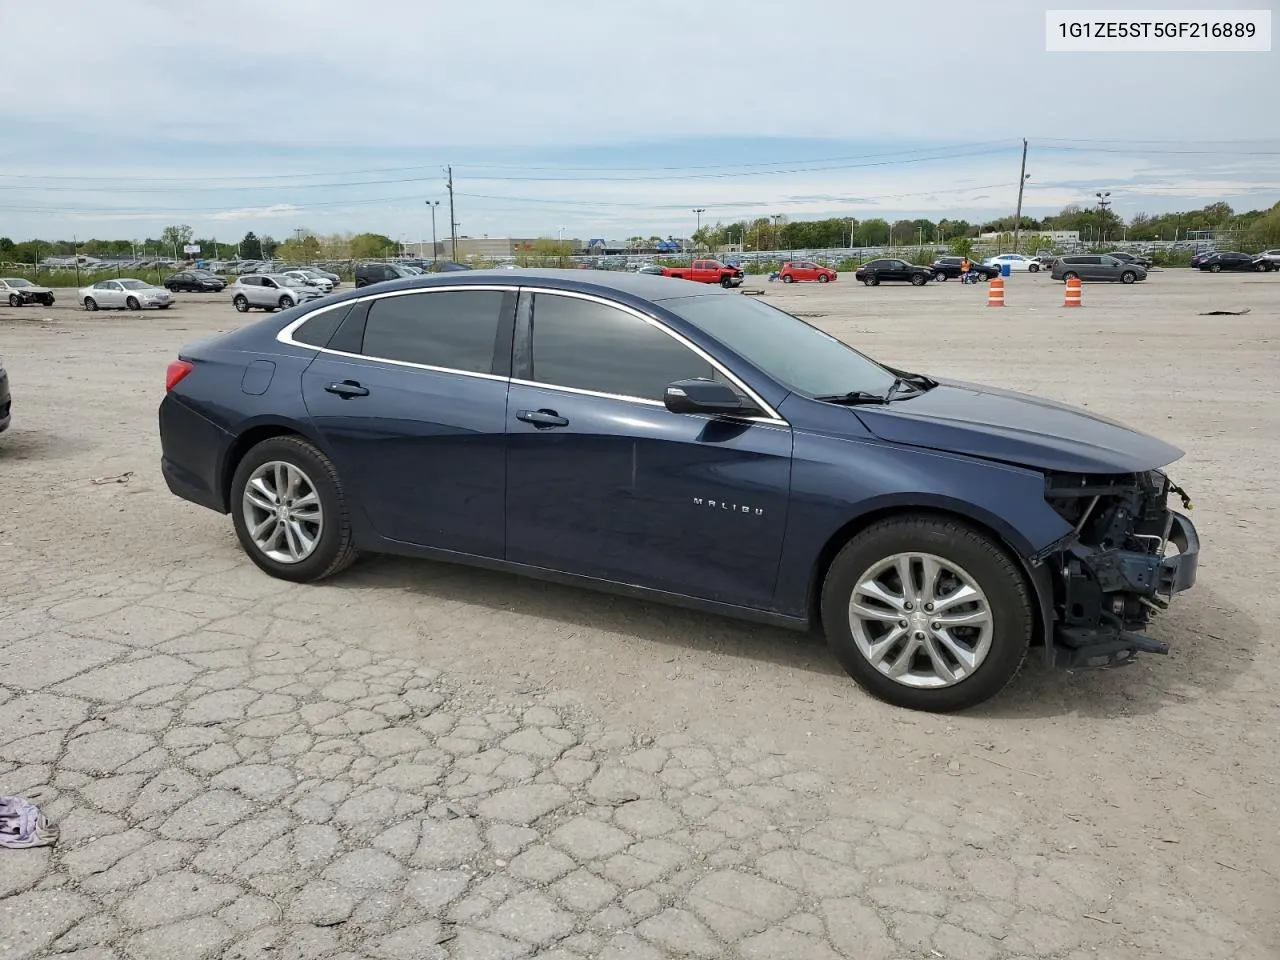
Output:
x=645 y=286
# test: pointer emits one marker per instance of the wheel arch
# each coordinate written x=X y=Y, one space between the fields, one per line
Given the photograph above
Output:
x=245 y=441
x=1036 y=578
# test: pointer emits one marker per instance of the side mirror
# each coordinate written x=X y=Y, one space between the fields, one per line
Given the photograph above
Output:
x=703 y=396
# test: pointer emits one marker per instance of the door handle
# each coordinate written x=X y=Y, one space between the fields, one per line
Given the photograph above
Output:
x=347 y=389
x=542 y=418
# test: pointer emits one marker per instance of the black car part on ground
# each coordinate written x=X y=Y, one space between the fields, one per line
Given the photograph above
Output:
x=1111 y=574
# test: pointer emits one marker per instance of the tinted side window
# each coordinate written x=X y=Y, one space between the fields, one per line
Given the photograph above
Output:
x=591 y=346
x=319 y=330
x=456 y=330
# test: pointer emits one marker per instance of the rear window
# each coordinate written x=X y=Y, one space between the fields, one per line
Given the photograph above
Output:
x=454 y=330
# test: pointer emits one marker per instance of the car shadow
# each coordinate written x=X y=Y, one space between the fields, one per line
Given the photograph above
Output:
x=1210 y=639
x=589 y=609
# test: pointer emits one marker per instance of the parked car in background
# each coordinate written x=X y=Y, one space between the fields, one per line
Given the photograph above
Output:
x=1272 y=255
x=270 y=292
x=933 y=529
x=1016 y=261
x=323 y=284
x=18 y=292
x=794 y=271
x=124 y=294
x=367 y=273
x=948 y=268
x=327 y=274
x=1235 y=260
x=650 y=268
x=1201 y=257
x=889 y=269
x=1097 y=267
x=1127 y=257
x=195 y=281
x=707 y=271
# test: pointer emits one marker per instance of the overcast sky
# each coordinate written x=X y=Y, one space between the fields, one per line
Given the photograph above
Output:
x=607 y=119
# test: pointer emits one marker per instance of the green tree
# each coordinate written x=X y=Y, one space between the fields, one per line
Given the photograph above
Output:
x=174 y=237
x=251 y=246
x=365 y=246
x=873 y=233
x=962 y=247
x=269 y=247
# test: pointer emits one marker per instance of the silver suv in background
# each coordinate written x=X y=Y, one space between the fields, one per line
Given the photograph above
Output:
x=1097 y=267
x=270 y=292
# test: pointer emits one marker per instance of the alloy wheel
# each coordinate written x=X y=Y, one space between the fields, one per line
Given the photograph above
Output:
x=282 y=512
x=921 y=620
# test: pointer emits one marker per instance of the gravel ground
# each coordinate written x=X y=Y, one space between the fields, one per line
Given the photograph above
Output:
x=416 y=760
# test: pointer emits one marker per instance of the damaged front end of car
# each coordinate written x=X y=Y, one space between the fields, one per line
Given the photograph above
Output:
x=1127 y=554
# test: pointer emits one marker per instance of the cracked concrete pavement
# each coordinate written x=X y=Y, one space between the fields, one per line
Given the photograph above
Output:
x=422 y=761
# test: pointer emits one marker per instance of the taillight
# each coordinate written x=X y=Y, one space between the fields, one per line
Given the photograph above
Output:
x=177 y=370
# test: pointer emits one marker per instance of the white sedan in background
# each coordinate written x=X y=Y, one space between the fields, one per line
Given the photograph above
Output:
x=1016 y=261
x=323 y=284
x=125 y=294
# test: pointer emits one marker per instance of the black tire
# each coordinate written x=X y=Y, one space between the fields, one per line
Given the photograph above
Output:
x=919 y=279
x=871 y=280
x=788 y=279
x=240 y=302
x=286 y=303
x=726 y=282
x=335 y=550
x=133 y=304
x=1215 y=268
x=15 y=300
x=1034 y=268
x=90 y=304
x=1128 y=276
x=1008 y=596
x=823 y=278
x=1071 y=275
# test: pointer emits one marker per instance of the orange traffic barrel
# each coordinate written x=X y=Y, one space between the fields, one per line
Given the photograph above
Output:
x=995 y=294
x=1072 y=298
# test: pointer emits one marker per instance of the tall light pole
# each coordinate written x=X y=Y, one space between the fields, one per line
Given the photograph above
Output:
x=1103 y=203
x=698 y=212
x=1022 y=181
x=435 y=257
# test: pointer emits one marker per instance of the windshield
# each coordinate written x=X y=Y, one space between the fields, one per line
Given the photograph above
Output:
x=134 y=284
x=18 y=283
x=293 y=282
x=799 y=356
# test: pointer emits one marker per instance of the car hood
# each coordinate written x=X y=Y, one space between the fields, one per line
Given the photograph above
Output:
x=981 y=421
x=32 y=289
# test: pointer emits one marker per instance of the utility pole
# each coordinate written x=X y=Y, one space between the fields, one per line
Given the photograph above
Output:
x=453 y=223
x=1022 y=180
x=434 y=256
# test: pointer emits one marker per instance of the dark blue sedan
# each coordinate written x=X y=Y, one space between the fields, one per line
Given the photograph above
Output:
x=691 y=445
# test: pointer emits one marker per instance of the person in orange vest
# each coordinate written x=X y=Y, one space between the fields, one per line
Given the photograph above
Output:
x=965 y=268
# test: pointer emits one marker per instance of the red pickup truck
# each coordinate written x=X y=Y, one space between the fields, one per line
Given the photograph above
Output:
x=707 y=271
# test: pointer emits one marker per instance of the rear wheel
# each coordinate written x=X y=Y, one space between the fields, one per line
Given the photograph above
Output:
x=286 y=303
x=90 y=304
x=1215 y=268
x=1070 y=275
x=940 y=276
x=927 y=613
x=788 y=278
x=871 y=280
x=289 y=511
x=1034 y=268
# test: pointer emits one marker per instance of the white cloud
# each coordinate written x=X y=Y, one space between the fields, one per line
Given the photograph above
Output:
x=273 y=212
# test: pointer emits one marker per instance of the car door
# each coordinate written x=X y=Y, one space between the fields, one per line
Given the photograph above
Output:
x=413 y=414
x=109 y=293
x=895 y=270
x=806 y=270
x=607 y=483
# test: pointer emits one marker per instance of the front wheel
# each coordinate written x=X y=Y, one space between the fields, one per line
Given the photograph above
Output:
x=47 y=300
x=240 y=302
x=927 y=613
x=132 y=303
x=90 y=304
x=918 y=280
x=823 y=278
x=289 y=511
x=1070 y=276
x=1034 y=268
x=1128 y=276
x=1215 y=268
x=15 y=300
x=163 y=306
x=726 y=282
x=940 y=277
x=286 y=303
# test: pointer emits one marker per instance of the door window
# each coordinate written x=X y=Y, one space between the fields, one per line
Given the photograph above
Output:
x=592 y=346
x=454 y=330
